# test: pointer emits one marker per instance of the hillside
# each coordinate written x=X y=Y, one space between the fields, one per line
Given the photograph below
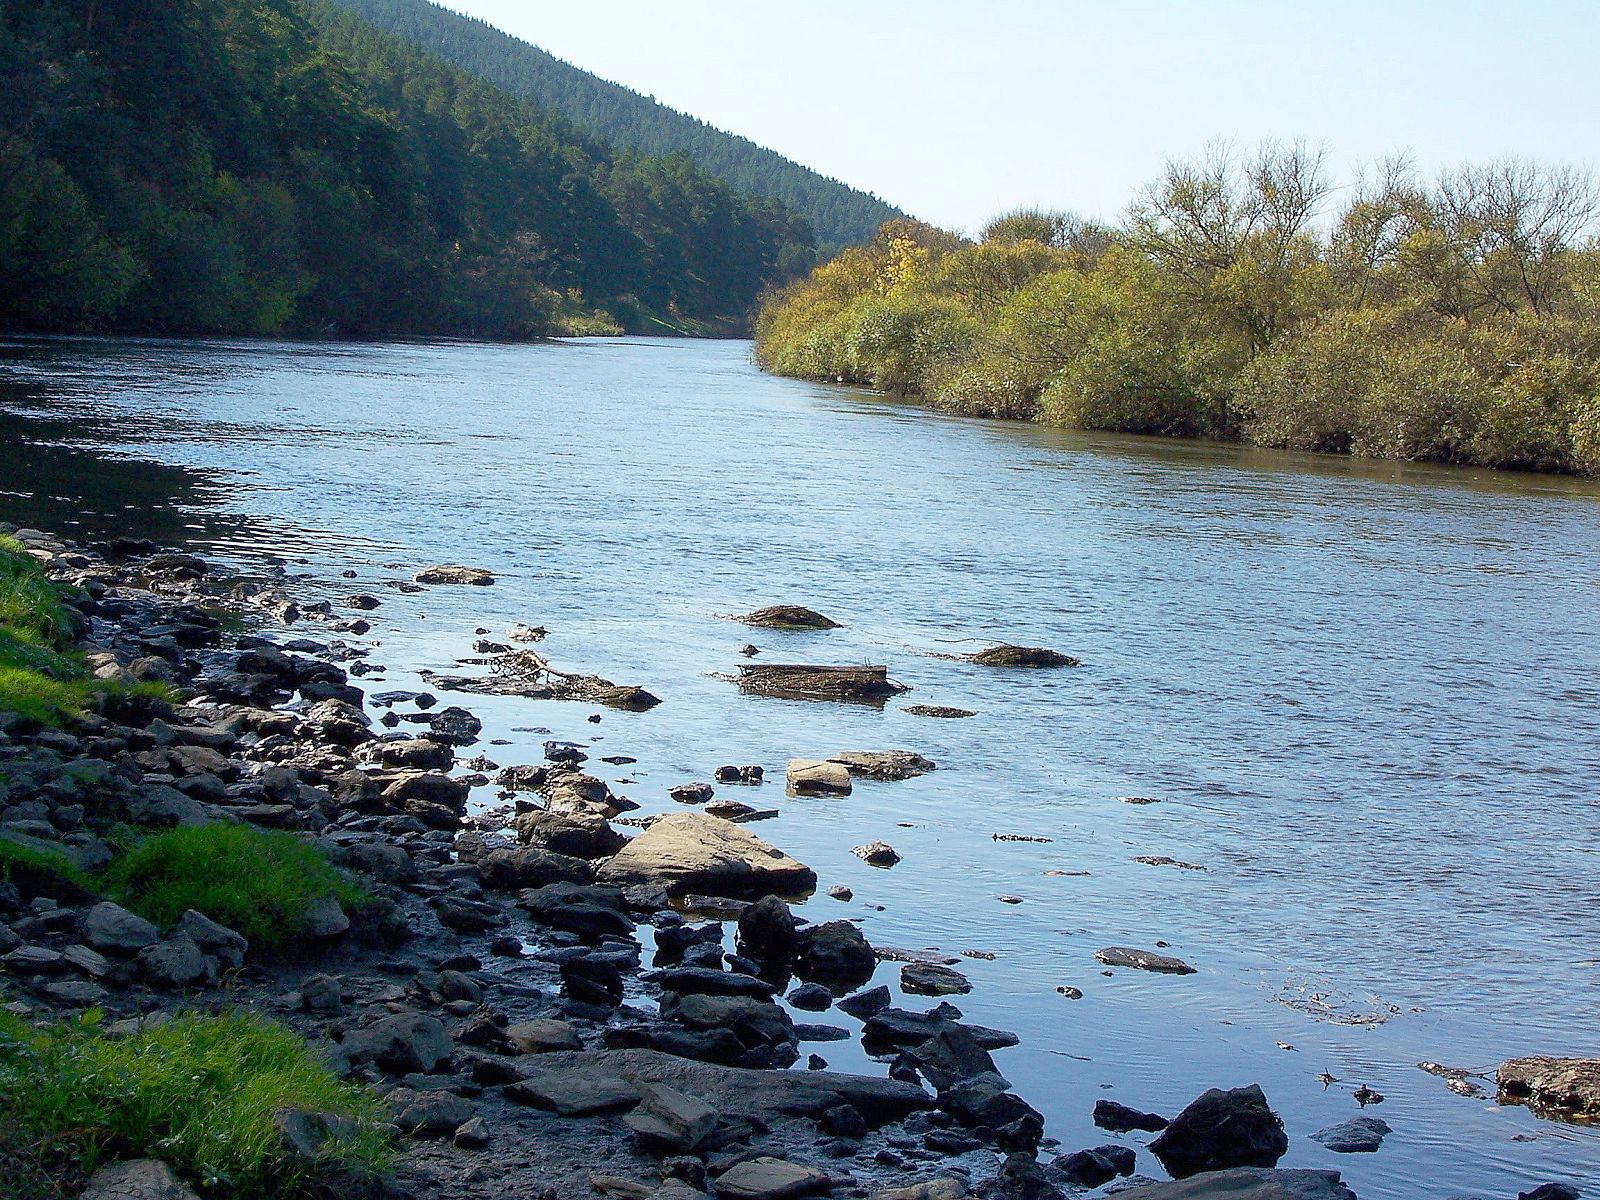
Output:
x=840 y=214
x=268 y=166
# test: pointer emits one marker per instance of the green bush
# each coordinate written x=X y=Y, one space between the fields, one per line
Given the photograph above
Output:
x=199 y=1093
x=259 y=882
x=40 y=872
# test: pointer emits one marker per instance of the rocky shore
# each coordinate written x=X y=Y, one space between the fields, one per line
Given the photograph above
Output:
x=553 y=997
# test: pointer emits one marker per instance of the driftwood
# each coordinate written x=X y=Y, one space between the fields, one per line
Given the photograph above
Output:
x=524 y=673
x=797 y=681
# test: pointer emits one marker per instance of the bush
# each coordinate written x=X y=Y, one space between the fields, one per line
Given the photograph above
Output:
x=200 y=1093
x=259 y=882
x=41 y=872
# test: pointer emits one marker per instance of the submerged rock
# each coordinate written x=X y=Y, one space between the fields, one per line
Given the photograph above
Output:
x=883 y=764
x=787 y=616
x=806 y=681
x=1248 y=1184
x=1143 y=960
x=1358 y=1135
x=454 y=573
x=942 y=711
x=1007 y=655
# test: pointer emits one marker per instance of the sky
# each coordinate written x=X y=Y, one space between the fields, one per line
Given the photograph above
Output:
x=956 y=111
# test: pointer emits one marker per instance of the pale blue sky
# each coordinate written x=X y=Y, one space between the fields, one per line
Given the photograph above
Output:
x=956 y=111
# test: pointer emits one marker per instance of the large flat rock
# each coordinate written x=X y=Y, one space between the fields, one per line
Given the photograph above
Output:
x=691 y=852
x=1248 y=1183
x=1558 y=1087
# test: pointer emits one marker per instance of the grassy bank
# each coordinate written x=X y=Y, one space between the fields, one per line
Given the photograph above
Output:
x=200 y=1092
x=1453 y=322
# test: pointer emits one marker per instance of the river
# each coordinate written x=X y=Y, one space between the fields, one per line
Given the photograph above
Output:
x=1365 y=696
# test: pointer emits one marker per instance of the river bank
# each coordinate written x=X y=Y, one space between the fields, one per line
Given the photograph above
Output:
x=1349 y=908
x=513 y=1039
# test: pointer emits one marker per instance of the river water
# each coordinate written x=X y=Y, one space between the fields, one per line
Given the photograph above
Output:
x=1365 y=696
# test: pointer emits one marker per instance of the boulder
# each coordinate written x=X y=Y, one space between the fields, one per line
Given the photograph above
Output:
x=399 y=1044
x=818 y=777
x=575 y=834
x=930 y=979
x=1119 y=1118
x=1248 y=1184
x=691 y=852
x=767 y=930
x=883 y=764
x=575 y=1092
x=173 y=962
x=1560 y=1087
x=834 y=954
x=136 y=1179
x=1007 y=655
x=542 y=1036
x=220 y=942
x=876 y=854
x=430 y=1114
x=512 y=868
x=787 y=616
x=1222 y=1129
x=769 y=1179
x=112 y=929
x=1091 y=1168
x=668 y=1121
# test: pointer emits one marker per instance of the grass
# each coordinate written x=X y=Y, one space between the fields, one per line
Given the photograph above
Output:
x=39 y=872
x=41 y=679
x=259 y=882
x=199 y=1093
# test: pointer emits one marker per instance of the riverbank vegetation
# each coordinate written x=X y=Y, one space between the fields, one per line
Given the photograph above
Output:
x=205 y=1092
x=1454 y=321
x=273 y=166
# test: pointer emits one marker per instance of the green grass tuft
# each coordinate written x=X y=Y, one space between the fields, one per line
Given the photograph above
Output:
x=198 y=1093
x=42 y=872
x=259 y=882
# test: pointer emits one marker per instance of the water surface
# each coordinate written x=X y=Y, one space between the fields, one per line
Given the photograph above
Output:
x=1364 y=695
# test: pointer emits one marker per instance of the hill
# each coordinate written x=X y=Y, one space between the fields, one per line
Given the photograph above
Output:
x=840 y=214
x=269 y=166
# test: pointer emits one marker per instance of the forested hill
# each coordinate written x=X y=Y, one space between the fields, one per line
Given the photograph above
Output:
x=265 y=166
x=840 y=214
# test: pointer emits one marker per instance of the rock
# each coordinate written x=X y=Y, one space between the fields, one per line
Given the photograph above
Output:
x=1143 y=960
x=895 y=1028
x=691 y=852
x=590 y=911
x=454 y=573
x=428 y=1114
x=711 y=982
x=1560 y=1087
x=769 y=1179
x=767 y=930
x=322 y=994
x=592 y=981
x=575 y=1093
x=951 y=1056
x=691 y=793
x=324 y=919
x=542 y=1036
x=1119 y=1118
x=843 y=1121
x=945 y=1187
x=1248 y=1184
x=868 y=1003
x=575 y=834
x=876 y=854
x=173 y=962
x=1007 y=655
x=222 y=943
x=473 y=1135
x=758 y=1024
x=818 y=777
x=981 y=1102
x=1091 y=1168
x=668 y=1121
x=942 y=711
x=810 y=997
x=787 y=616
x=512 y=868
x=1019 y=1178
x=883 y=764
x=930 y=979
x=1551 y=1191
x=112 y=929
x=136 y=1179
x=399 y=1044
x=1358 y=1135
x=34 y=960
x=1219 y=1130
x=834 y=954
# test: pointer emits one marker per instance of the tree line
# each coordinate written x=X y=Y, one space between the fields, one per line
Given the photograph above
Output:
x=1452 y=320
x=269 y=166
x=839 y=214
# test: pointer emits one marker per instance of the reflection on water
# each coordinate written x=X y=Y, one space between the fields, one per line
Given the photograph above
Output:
x=1363 y=693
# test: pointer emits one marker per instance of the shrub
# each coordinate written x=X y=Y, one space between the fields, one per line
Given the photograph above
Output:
x=42 y=872
x=199 y=1092
x=262 y=883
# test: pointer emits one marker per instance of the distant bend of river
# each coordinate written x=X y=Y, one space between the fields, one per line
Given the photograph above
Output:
x=1365 y=696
